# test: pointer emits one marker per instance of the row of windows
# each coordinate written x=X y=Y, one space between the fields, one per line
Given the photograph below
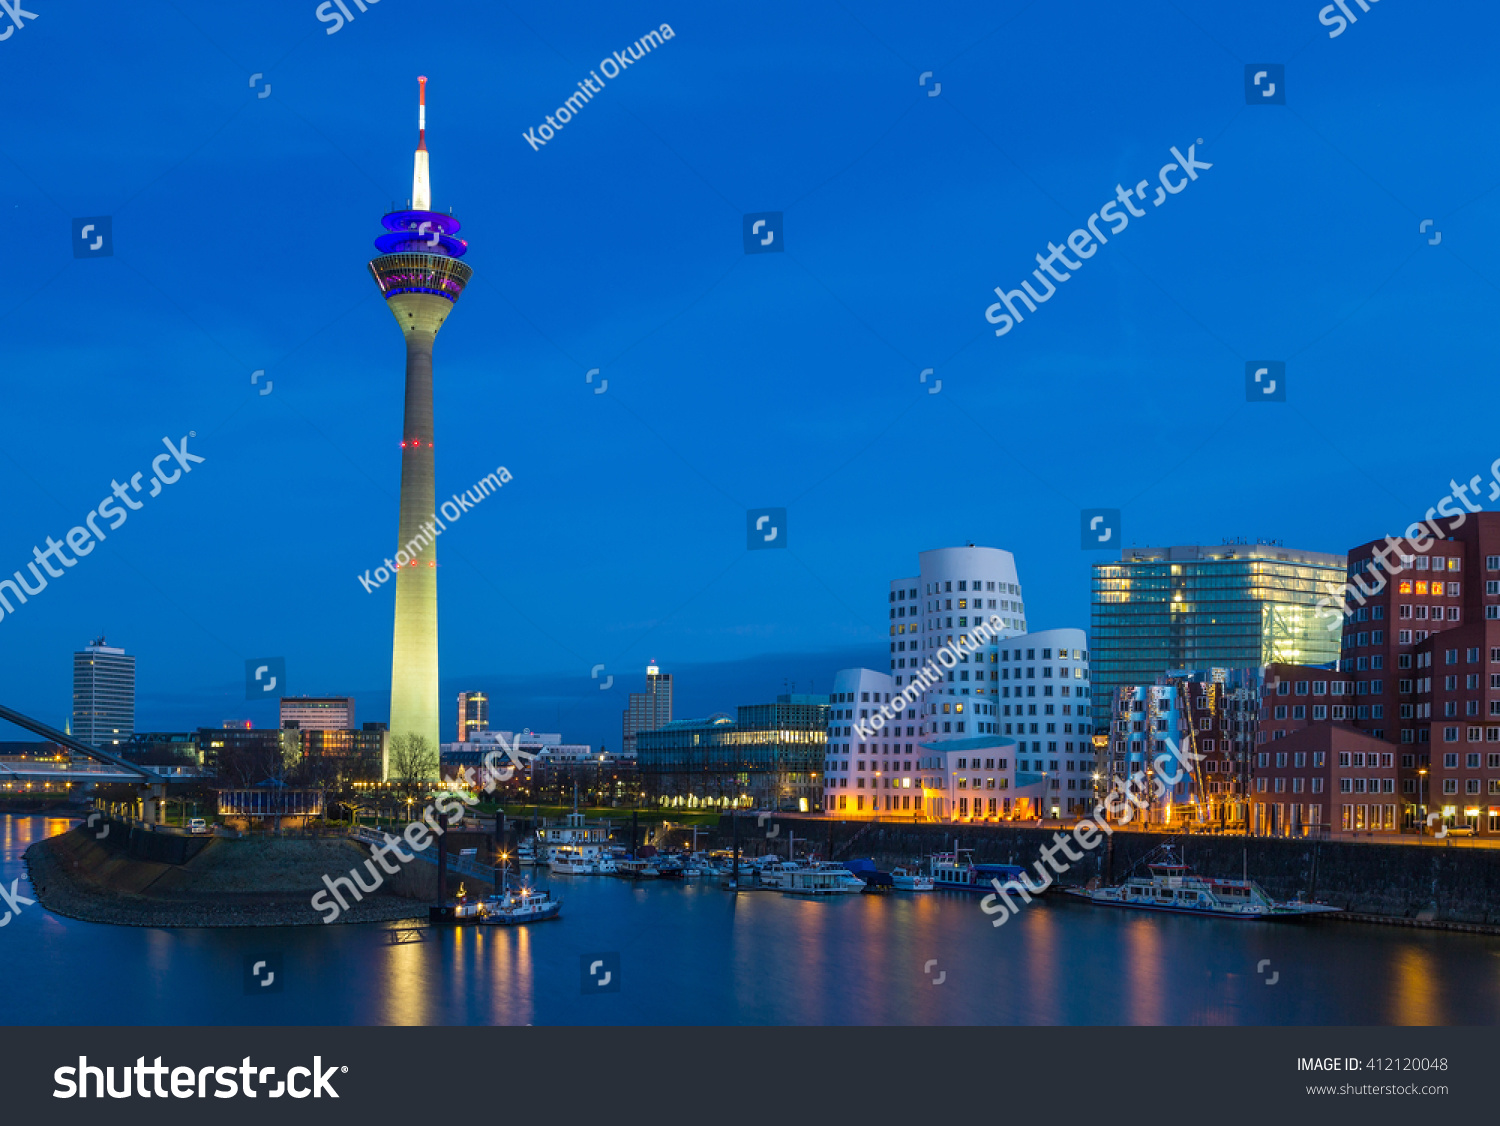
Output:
x=964 y=584
x=1298 y=785
x=1436 y=588
x=1420 y=613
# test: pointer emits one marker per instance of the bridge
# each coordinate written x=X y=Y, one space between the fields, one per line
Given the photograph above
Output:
x=130 y=770
x=63 y=772
x=102 y=766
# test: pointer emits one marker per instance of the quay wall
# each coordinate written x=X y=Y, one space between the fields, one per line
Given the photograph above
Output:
x=1453 y=884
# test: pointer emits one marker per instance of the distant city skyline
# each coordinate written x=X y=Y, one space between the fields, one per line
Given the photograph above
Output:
x=649 y=383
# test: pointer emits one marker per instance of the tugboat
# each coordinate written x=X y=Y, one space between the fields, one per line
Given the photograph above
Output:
x=1173 y=886
x=513 y=906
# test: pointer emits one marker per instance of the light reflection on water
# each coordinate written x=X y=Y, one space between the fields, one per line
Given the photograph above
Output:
x=691 y=954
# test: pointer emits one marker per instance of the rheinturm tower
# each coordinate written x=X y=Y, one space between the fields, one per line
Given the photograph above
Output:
x=421 y=276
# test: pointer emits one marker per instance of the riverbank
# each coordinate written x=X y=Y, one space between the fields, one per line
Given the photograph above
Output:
x=1405 y=885
x=143 y=880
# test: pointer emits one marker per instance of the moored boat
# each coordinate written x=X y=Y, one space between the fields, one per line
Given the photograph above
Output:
x=910 y=881
x=513 y=906
x=570 y=860
x=956 y=870
x=1172 y=885
x=810 y=879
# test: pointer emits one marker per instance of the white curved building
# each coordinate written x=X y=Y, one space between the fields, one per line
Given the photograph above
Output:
x=1020 y=707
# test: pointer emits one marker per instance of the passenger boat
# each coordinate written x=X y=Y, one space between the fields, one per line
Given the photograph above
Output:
x=910 y=881
x=1173 y=886
x=575 y=834
x=570 y=860
x=958 y=871
x=817 y=879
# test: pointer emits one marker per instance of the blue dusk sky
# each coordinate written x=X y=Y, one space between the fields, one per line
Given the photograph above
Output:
x=241 y=221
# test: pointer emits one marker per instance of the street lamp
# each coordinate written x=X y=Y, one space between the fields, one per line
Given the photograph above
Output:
x=1422 y=802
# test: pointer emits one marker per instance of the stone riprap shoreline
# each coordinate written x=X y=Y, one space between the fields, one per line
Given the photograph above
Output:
x=219 y=883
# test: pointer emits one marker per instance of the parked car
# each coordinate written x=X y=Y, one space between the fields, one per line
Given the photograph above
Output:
x=197 y=825
x=1460 y=830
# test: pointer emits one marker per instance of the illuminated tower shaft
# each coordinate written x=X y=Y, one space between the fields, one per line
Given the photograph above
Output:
x=421 y=276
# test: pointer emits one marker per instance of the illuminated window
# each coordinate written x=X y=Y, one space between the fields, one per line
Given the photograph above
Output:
x=1404 y=587
x=1422 y=587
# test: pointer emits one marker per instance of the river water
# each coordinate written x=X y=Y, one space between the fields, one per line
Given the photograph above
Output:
x=692 y=954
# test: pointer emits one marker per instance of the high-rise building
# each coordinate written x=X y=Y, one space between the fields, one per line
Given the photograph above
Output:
x=420 y=274
x=650 y=710
x=103 y=695
x=318 y=713
x=473 y=714
x=1237 y=606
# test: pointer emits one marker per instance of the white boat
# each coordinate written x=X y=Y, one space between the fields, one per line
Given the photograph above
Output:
x=526 y=855
x=1173 y=886
x=815 y=879
x=910 y=881
x=571 y=861
x=605 y=866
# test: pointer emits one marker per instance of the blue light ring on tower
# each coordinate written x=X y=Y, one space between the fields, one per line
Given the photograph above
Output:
x=430 y=243
x=420 y=273
x=413 y=220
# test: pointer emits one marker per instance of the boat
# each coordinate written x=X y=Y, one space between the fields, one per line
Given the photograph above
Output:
x=670 y=868
x=570 y=860
x=1171 y=885
x=637 y=869
x=956 y=870
x=513 y=906
x=810 y=879
x=582 y=839
x=526 y=855
x=605 y=866
x=910 y=881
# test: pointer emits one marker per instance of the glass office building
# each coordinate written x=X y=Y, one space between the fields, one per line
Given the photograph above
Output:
x=769 y=757
x=1235 y=606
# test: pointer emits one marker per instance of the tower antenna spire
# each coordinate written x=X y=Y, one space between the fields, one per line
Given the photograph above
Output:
x=421 y=184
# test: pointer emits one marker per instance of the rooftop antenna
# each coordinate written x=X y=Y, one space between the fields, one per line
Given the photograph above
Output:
x=421 y=185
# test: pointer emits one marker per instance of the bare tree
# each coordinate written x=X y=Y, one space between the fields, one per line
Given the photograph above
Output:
x=414 y=764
